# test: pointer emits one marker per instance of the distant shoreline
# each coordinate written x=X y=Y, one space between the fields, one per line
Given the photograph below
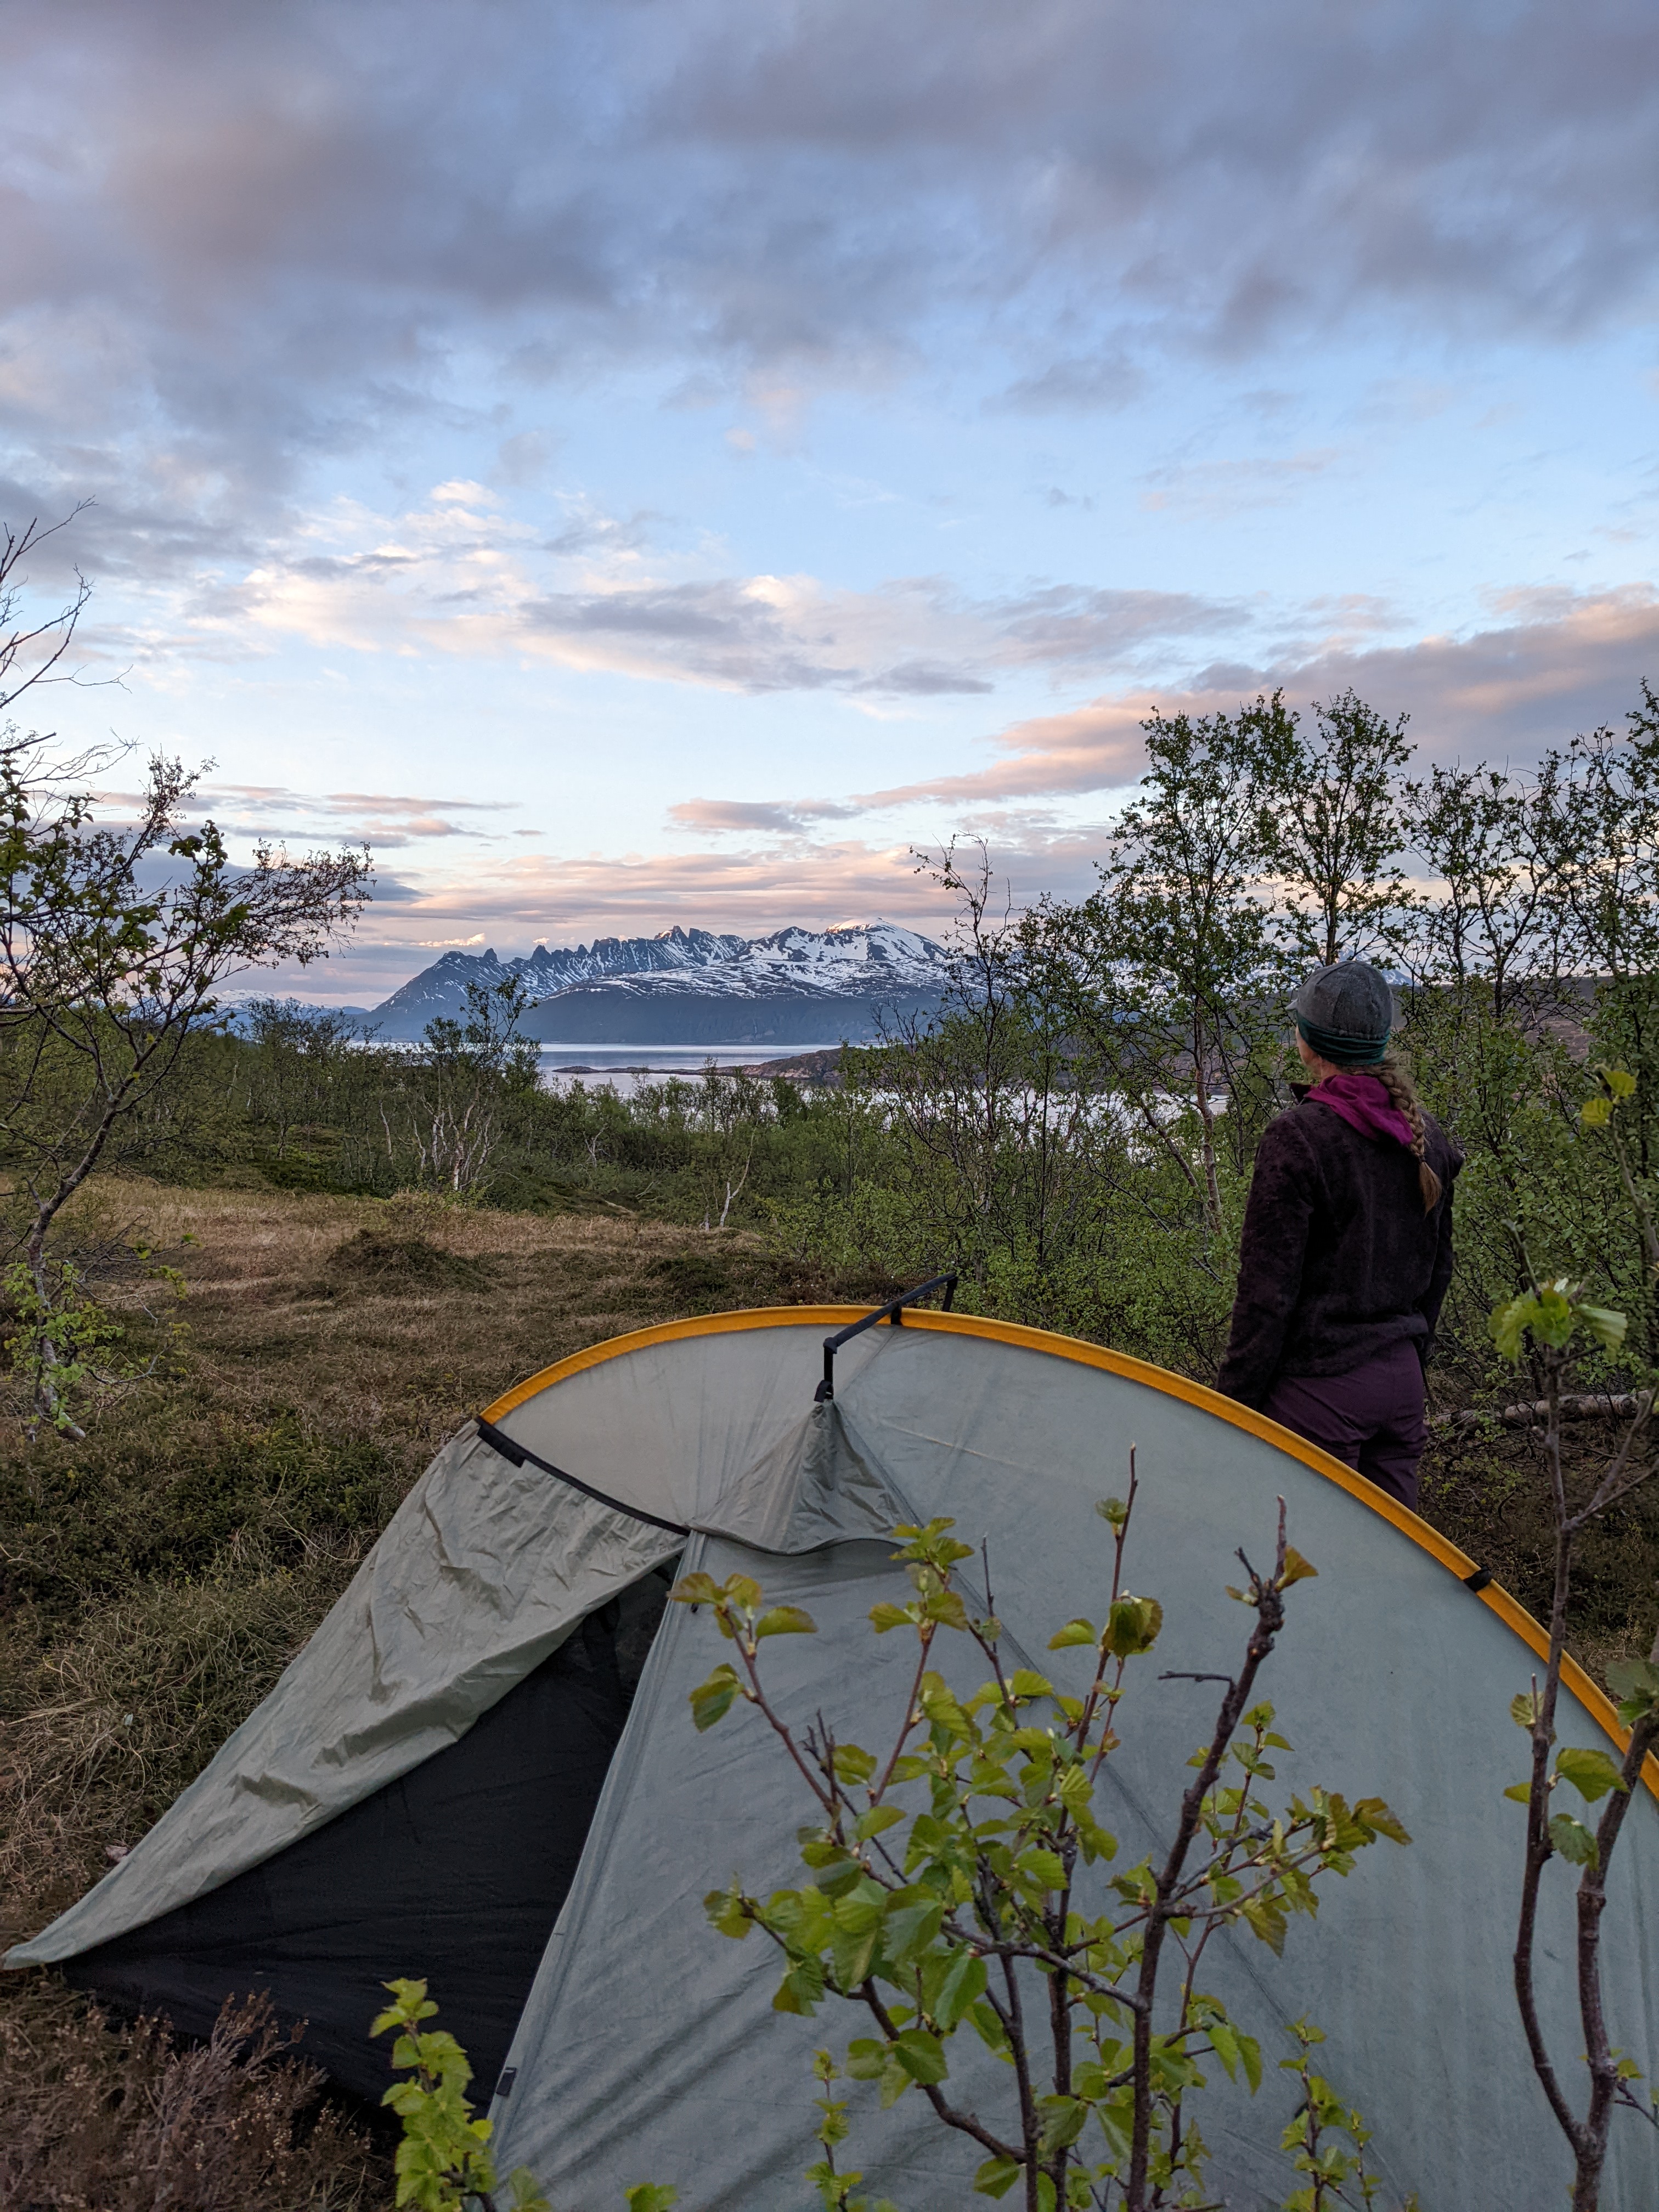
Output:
x=817 y=1064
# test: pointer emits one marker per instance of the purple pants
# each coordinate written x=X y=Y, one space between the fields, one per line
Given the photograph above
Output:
x=1370 y=1418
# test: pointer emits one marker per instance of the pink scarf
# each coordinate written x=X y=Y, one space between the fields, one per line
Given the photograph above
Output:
x=1362 y=1102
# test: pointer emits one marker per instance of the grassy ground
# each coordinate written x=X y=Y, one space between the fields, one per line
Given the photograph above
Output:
x=154 y=1581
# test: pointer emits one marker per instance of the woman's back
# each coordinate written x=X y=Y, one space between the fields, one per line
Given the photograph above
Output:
x=1340 y=1258
x=1346 y=1253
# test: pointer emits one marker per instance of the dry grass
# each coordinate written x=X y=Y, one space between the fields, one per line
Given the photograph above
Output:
x=118 y=2119
x=287 y=1303
x=154 y=1581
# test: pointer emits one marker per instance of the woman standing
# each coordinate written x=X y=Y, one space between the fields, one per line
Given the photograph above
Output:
x=1347 y=1243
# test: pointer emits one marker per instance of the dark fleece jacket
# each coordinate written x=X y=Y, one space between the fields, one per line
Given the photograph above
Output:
x=1339 y=1260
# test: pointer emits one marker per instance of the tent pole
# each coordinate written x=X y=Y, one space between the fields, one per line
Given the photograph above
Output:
x=893 y=1312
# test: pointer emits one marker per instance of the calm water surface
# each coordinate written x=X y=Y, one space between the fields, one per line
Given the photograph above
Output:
x=623 y=1067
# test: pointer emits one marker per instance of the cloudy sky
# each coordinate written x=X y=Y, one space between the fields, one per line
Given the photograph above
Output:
x=660 y=461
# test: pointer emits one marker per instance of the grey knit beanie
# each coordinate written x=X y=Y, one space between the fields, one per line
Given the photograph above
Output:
x=1346 y=1013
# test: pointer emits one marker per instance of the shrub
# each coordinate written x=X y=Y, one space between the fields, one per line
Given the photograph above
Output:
x=107 y=2118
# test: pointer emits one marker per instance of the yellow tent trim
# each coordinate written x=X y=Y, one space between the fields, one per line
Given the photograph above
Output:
x=1513 y=1614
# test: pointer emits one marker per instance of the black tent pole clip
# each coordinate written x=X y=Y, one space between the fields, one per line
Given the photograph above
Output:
x=892 y=1312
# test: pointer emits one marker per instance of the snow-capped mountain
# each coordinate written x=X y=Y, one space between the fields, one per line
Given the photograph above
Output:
x=441 y=988
x=799 y=986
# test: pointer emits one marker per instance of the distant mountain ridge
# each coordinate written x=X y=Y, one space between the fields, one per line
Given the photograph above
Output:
x=441 y=988
x=694 y=987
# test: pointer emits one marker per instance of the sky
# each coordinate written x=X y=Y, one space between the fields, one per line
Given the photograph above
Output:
x=668 y=461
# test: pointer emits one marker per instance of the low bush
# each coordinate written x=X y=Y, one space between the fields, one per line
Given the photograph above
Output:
x=102 y=2117
x=406 y=1265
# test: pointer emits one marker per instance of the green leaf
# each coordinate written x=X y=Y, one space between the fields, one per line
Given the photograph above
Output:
x=857 y=1918
x=840 y=1875
x=940 y=1708
x=1525 y=1709
x=1063 y=2120
x=1635 y=1683
x=1573 y=1839
x=1552 y=1323
x=695 y=1589
x=866 y=2058
x=801 y=1989
x=1596 y=1112
x=873 y=1822
x=1607 y=1327
x=1591 y=1773
x=725 y=1908
x=1133 y=1625
x=1296 y=1569
x=712 y=1701
x=886 y=1616
x=908 y=1930
x=1266 y=1919
x=1025 y=1683
x=1627 y=1678
x=1520 y=1791
x=894 y=2081
x=411 y=2004
x=1619 y=1081
x=961 y=1990
x=1510 y=1323
x=921 y=2055
x=1376 y=1814
x=947 y=1607
x=853 y=1763
x=1046 y=1866
x=997 y=2177
x=785 y=1621
x=651 y=2196
x=1075 y=1632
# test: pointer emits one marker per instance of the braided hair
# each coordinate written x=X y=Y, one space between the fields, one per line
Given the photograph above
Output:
x=1403 y=1097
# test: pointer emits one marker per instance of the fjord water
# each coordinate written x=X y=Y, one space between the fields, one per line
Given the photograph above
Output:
x=624 y=1067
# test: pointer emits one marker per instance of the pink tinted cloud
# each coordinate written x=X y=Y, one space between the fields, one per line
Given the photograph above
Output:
x=1568 y=662
x=385 y=820
x=793 y=818
x=1559 y=663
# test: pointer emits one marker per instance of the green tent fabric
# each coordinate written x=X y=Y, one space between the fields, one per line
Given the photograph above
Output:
x=647 y=2048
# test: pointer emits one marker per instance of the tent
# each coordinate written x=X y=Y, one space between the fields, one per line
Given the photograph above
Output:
x=482 y=1768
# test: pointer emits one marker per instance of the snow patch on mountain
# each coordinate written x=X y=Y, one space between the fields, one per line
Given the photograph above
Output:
x=441 y=989
x=860 y=963
x=692 y=977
